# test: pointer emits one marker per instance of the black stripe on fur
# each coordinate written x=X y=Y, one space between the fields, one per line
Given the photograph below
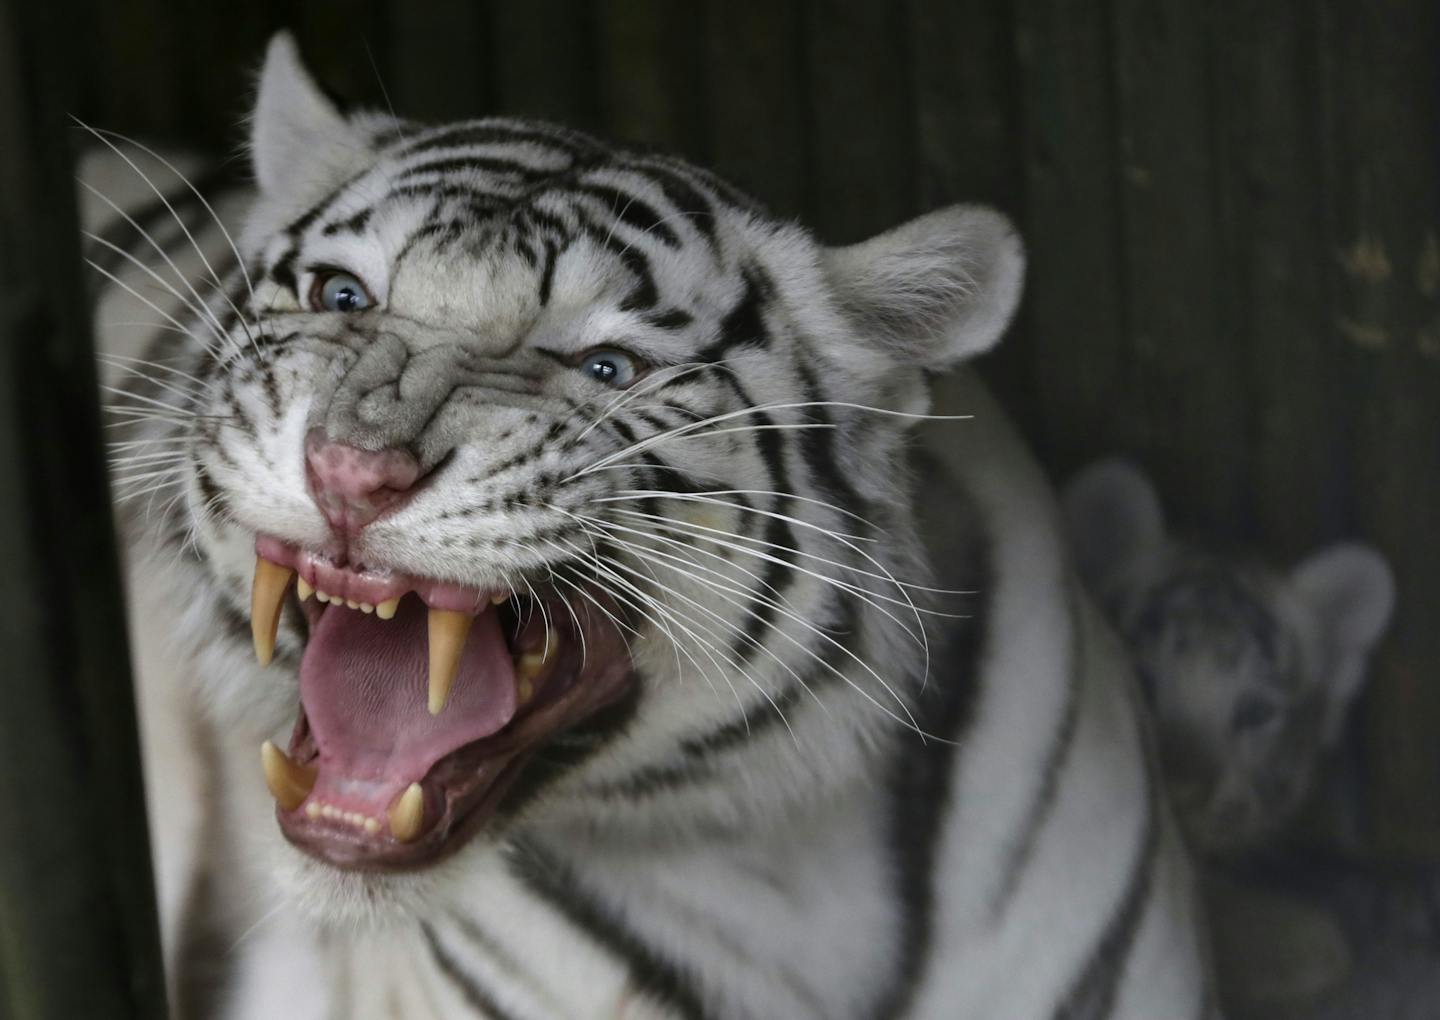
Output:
x=476 y=995
x=1092 y=996
x=920 y=785
x=554 y=882
x=1023 y=847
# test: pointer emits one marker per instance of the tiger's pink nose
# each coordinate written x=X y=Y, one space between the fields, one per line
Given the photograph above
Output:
x=352 y=486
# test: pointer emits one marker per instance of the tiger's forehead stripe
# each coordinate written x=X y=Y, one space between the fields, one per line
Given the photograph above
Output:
x=535 y=192
x=501 y=164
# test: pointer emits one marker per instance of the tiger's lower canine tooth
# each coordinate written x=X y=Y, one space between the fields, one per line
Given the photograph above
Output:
x=289 y=783
x=266 y=593
x=529 y=665
x=407 y=814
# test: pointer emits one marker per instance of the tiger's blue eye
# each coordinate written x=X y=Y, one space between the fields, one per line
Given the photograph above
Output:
x=613 y=368
x=339 y=292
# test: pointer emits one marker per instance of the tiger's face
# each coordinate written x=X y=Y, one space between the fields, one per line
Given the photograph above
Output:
x=1225 y=659
x=534 y=461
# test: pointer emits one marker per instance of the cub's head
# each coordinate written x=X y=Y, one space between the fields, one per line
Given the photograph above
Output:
x=1249 y=672
x=558 y=481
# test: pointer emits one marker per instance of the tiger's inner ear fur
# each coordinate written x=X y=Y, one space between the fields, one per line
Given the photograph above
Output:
x=934 y=291
x=301 y=145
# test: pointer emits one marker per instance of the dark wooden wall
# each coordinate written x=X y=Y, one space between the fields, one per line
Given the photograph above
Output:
x=1231 y=206
x=78 y=935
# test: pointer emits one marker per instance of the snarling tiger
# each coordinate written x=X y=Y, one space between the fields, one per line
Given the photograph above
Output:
x=533 y=614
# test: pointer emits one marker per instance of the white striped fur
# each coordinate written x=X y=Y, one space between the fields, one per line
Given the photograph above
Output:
x=984 y=841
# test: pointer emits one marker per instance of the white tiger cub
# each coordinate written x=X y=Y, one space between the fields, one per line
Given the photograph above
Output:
x=562 y=496
x=1250 y=672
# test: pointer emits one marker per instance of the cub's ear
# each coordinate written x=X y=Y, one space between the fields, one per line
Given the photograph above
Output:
x=1351 y=592
x=300 y=144
x=1112 y=514
x=933 y=291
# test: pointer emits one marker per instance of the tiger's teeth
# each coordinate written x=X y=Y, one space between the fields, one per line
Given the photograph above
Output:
x=366 y=607
x=386 y=610
x=407 y=814
x=303 y=588
x=448 y=630
x=351 y=604
x=529 y=665
x=320 y=596
x=289 y=783
x=266 y=592
x=499 y=598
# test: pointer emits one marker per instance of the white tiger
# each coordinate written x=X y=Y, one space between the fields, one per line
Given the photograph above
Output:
x=566 y=495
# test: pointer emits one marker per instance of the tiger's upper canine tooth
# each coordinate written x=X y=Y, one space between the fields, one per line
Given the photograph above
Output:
x=499 y=598
x=289 y=783
x=407 y=814
x=448 y=630
x=266 y=593
x=303 y=588
x=386 y=610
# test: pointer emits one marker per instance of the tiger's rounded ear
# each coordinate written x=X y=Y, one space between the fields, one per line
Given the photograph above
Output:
x=1350 y=589
x=300 y=143
x=1112 y=514
x=933 y=291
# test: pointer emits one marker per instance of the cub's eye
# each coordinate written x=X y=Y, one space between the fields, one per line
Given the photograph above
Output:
x=1255 y=712
x=339 y=292
x=613 y=368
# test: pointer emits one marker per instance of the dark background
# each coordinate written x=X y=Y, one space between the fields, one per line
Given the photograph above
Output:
x=1231 y=209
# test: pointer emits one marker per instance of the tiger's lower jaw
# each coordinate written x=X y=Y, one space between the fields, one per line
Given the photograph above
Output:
x=381 y=773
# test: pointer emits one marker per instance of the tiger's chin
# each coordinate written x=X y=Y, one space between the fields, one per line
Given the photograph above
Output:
x=422 y=704
x=328 y=898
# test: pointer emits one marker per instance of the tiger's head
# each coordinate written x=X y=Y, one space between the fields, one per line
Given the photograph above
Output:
x=561 y=484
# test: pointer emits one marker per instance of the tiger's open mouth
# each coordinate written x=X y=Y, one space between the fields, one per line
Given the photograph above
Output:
x=420 y=701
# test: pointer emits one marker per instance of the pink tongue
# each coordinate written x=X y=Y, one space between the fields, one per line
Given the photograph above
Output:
x=364 y=681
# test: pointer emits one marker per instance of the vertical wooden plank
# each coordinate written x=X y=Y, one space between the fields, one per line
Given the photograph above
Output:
x=133 y=51
x=1276 y=248
x=78 y=935
x=964 y=103
x=1076 y=402
x=214 y=73
x=439 y=65
x=543 y=52
x=863 y=135
x=1187 y=369
x=759 y=101
x=1382 y=173
x=648 y=55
